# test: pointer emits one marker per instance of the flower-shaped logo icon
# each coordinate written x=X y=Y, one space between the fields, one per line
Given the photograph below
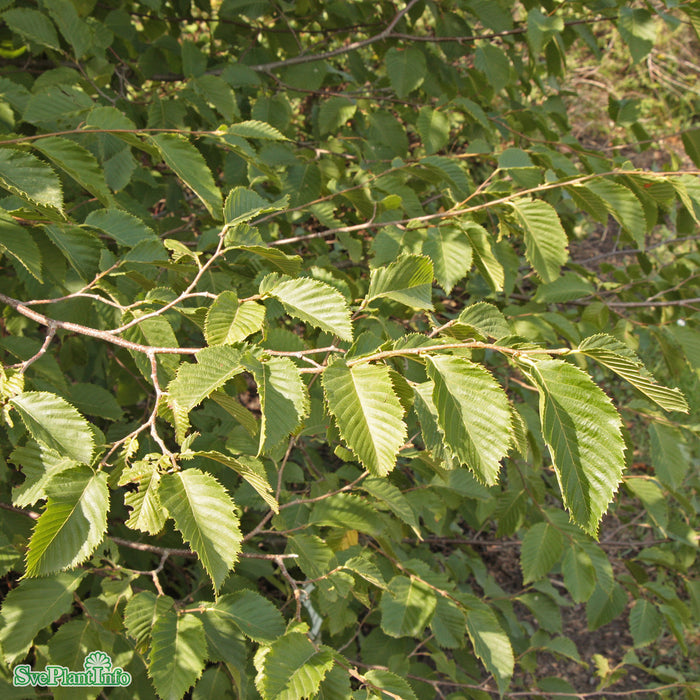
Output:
x=98 y=659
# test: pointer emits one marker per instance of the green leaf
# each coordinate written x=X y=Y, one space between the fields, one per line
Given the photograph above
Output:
x=669 y=454
x=253 y=129
x=30 y=178
x=194 y=382
x=484 y=258
x=451 y=254
x=53 y=422
x=618 y=358
x=284 y=402
x=141 y=613
x=434 y=129
x=314 y=556
x=645 y=622
x=81 y=248
x=255 y=616
x=542 y=546
x=406 y=69
x=348 y=512
x=545 y=238
x=407 y=606
x=31 y=606
x=293 y=668
x=582 y=430
x=206 y=517
x=250 y=469
x=484 y=319
x=177 y=655
x=33 y=25
x=491 y=645
x=636 y=27
x=146 y=509
x=95 y=401
x=579 y=574
x=224 y=640
x=126 y=229
x=448 y=624
x=20 y=246
x=78 y=163
x=333 y=113
x=389 y=685
x=623 y=205
x=492 y=61
x=189 y=165
x=243 y=205
x=479 y=439
x=691 y=143
x=72 y=524
x=408 y=281
x=390 y=496
x=367 y=411
x=229 y=322
x=313 y=302
x=74 y=29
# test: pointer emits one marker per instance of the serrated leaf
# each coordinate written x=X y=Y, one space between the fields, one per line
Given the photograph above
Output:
x=408 y=281
x=78 y=163
x=484 y=258
x=645 y=622
x=691 y=143
x=545 y=238
x=233 y=407
x=389 y=495
x=224 y=640
x=230 y=322
x=406 y=69
x=451 y=254
x=81 y=248
x=367 y=411
x=579 y=574
x=194 y=382
x=243 y=205
x=95 y=400
x=31 y=606
x=39 y=465
x=141 y=613
x=146 y=509
x=618 y=358
x=53 y=422
x=491 y=645
x=177 y=654
x=542 y=546
x=407 y=606
x=30 y=178
x=189 y=165
x=381 y=680
x=16 y=242
x=313 y=302
x=333 y=113
x=206 y=517
x=486 y=319
x=75 y=30
x=434 y=129
x=481 y=437
x=582 y=430
x=33 y=25
x=251 y=470
x=72 y=524
x=254 y=129
x=314 y=556
x=623 y=205
x=449 y=624
x=126 y=229
x=348 y=512
x=284 y=401
x=293 y=668
x=255 y=616
x=637 y=28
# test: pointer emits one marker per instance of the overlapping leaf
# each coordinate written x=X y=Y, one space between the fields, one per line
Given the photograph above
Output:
x=31 y=179
x=408 y=281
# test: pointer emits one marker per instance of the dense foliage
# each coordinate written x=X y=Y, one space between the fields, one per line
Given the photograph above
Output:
x=304 y=334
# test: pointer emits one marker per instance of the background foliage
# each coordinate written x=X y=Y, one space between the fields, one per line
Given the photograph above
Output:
x=332 y=331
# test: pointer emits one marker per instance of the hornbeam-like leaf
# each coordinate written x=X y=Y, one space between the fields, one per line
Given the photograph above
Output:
x=30 y=178
x=473 y=413
x=406 y=69
x=251 y=470
x=618 y=358
x=293 y=668
x=381 y=680
x=311 y=301
x=206 y=517
x=39 y=465
x=451 y=254
x=53 y=422
x=141 y=613
x=284 y=402
x=582 y=430
x=189 y=165
x=255 y=616
x=31 y=606
x=243 y=205
x=77 y=162
x=491 y=645
x=408 y=281
x=230 y=322
x=33 y=25
x=486 y=262
x=542 y=547
x=18 y=243
x=177 y=655
x=623 y=205
x=146 y=510
x=367 y=411
x=545 y=238
x=407 y=607
x=73 y=523
x=253 y=129
x=194 y=382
